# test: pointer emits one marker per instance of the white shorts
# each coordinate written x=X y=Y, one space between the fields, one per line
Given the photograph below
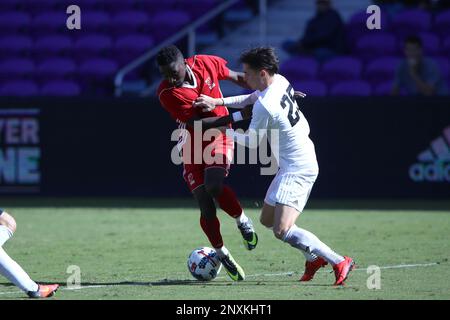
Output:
x=290 y=189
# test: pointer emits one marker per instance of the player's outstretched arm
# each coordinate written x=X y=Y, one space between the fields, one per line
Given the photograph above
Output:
x=238 y=102
x=218 y=122
x=238 y=78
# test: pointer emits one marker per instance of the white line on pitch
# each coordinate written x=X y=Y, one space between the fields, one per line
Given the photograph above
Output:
x=289 y=273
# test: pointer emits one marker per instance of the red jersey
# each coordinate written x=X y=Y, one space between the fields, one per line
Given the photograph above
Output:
x=206 y=71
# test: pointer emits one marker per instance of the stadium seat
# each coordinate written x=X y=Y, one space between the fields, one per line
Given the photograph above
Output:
x=300 y=68
x=130 y=22
x=19 y=88
x=129 y=47
x=168 y=22
x=341 y=68
x=60 y=88
x=95 y=21
x=52 y=45
x=411 y=22
x=311 y=87
x=51 y=21
x=98 y=68
x=442 y=23
x=16 y=68
x=446 y=46
x=444 y=66
x=15 y=46
x=93 y=45
x=357 y=26
x=374 y=45
x=351 y=88
x=13 y=22
x=381 y=69
x=56 y=68
x=383 y=89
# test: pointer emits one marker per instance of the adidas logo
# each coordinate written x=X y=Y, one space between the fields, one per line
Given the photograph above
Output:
x=434 y=163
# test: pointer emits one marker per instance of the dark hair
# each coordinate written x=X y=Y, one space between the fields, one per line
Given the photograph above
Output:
x=167 y=55
x=414 y=40
x=261 y=58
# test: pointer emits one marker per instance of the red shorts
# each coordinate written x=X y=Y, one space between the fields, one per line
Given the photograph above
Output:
x=216 y=154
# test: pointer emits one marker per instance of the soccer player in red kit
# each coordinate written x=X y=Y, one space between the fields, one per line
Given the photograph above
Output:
x=184 y=81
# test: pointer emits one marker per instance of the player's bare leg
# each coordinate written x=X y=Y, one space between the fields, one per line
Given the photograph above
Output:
x=228 y=202
x=12 y=270
x=211 y=227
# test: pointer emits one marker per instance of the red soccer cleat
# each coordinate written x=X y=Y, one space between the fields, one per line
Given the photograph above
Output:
x=44 y=291
x=311 y=268
x=342 y=269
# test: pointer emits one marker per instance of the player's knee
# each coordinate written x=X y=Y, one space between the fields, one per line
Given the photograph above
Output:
x=214 y=189
x=279 y=232
x=8 y=221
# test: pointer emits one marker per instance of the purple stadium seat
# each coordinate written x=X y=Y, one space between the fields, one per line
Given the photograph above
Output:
x=51 y=21
x=381 y=69
x=300 y=68
x=442 y=23
x=199 y=7
x=357 y=26
x=131 y=46
x=444 y=66
x=341 y=68
x=95 y=21
x=351 y=88
x=56 y=68
x=9 y=5
x=16 y=68
x=411 y=22
x=374 y=45
x=19 y=88
x=168 y=22
x=383 y=89
x=60 y=88
x=313 y=88
x=446 y=46
x=98 y=68
x=119 y=5
x=93 y=45
x=430 y=43
x=130 y=22
x=14 y=21
x=15 y=46
x=54 y=45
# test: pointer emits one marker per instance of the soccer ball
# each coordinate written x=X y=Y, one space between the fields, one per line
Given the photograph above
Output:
x=203 y=264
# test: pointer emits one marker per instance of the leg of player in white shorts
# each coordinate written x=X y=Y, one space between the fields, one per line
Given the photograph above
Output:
x=285 y=200
x=12 y=270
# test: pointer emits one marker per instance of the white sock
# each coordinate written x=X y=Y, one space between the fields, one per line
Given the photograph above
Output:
x=309 y=256
x=306 y=241
x=222 y=252
x=241 y=219
x=14 y=273
x=5 y=234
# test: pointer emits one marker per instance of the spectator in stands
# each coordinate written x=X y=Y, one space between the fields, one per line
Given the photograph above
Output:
x=418 y=75
x=324 y=36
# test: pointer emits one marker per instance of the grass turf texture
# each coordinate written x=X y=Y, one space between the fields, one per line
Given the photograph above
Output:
x=138 y=250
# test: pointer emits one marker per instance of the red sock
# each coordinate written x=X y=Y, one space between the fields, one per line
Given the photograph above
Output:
x=211 y=227
x=229 y=203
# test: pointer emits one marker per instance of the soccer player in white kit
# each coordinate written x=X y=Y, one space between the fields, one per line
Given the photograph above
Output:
x=275 y=110
x=12 y=270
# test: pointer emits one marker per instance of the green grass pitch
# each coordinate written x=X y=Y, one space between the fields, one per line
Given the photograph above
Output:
x=137 y=250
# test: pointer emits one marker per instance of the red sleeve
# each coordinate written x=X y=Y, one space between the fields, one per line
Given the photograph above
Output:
x=220 y=65
x=178 y=109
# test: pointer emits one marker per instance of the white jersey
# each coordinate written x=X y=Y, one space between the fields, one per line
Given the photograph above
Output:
x=276 y=110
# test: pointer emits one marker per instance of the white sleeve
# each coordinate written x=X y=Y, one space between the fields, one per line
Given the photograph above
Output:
x=256 y=130
x=240 y=102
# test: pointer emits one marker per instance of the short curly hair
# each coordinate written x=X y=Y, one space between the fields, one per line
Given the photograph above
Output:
x=167 y=55
x=261 y=58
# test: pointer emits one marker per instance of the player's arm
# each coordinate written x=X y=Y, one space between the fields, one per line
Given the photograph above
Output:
x=237 y=78
x=220 y=122
x=238 y=102
x=258 y=126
